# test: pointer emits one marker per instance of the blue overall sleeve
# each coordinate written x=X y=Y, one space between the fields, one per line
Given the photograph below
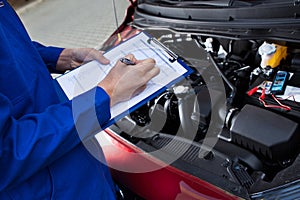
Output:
x=49 y=55
x=35 y=140
x=38 y=133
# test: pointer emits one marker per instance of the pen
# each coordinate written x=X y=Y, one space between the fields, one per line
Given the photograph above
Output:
x=127 y=61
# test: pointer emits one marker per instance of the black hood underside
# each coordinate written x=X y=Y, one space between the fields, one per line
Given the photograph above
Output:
x=244 y=19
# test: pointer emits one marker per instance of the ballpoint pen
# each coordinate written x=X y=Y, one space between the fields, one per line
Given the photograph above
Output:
x=127 y=61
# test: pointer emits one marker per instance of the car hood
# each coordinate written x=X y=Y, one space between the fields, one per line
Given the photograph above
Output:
x=246 y=19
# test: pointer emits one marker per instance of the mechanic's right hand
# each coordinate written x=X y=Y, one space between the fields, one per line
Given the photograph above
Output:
x=125 y=81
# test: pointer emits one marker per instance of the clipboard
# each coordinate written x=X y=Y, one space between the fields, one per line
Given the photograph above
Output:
x=142 y=45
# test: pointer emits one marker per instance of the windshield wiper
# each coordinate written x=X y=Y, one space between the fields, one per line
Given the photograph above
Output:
x=217 y=3
x=222 y=3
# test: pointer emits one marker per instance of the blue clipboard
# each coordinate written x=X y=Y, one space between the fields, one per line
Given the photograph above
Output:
x=151 y=46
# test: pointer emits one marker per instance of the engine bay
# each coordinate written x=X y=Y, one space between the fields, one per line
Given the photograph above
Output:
x=239 y=112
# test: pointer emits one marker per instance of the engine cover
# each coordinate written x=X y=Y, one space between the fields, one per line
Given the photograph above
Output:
x=268 y=134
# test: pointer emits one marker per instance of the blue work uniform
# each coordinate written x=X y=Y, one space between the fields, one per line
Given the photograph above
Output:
x=41 y=153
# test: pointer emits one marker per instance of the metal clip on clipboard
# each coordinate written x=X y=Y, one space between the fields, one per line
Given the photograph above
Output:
x=173 y=58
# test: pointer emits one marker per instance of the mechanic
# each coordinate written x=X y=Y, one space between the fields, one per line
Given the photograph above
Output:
x=41 y=153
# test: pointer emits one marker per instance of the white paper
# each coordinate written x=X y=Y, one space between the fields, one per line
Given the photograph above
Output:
x=291 y=93
x=89 y=75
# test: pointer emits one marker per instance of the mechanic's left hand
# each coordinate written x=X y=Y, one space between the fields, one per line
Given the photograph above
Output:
x=72 y=58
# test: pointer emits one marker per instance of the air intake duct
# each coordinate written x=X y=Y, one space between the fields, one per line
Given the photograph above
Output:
x=268 y=134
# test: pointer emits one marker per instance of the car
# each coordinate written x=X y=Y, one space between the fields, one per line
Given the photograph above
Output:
x=230 y=129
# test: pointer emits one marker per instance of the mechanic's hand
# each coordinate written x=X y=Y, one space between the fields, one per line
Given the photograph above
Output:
x=72 y=58
x=125 y=81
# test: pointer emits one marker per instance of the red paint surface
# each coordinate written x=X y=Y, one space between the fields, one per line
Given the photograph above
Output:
x=165 y=183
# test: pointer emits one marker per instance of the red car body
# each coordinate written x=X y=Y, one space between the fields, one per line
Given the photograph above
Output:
x=151 y=178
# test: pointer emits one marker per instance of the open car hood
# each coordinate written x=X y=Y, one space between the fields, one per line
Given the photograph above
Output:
x=245 y=19
x=240 y=144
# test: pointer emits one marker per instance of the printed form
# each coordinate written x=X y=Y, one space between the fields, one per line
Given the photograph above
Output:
x=89 y=75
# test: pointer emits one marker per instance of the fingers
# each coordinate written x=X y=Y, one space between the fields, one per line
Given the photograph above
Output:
x=148 y=76
x=125 y=81
x=131 y=58
x=153 y=72
x=148 y=61
x=83 y=55
x=147 y=66
x=103 y=60
x=139 y=90
x=98 y=55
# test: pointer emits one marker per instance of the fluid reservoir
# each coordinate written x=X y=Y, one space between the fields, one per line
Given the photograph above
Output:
x=271 y=54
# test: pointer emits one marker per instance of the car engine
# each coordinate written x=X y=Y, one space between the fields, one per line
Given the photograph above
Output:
x=239 y=110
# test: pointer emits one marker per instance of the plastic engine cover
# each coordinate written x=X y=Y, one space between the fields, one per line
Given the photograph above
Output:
x=268 y=134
